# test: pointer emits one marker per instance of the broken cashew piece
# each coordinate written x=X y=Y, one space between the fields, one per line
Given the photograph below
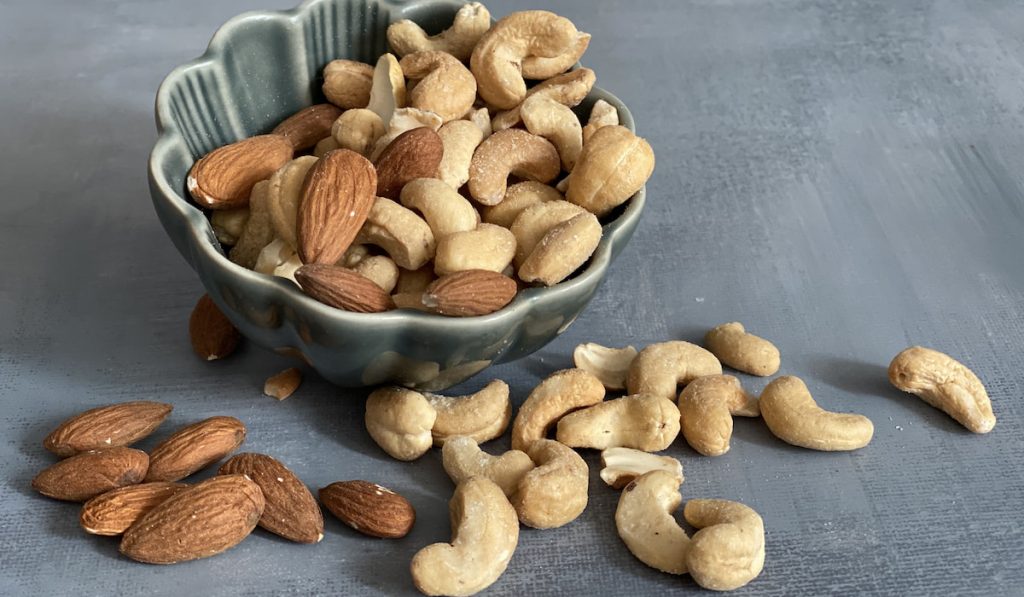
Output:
x=358 y=130
x=536 y=67
x=462 y=459
x=510 y=152
x=486 y=247
x=621 y=465
x=601 y=115
x=278 y=259
x=443 y=208
x=482 y=119
x=482 y=416
x=555 y=493
x=388 y=91
x=728 y=550
x=518 y=197
x=445 y=87
x=645 y=523
x=485 y=533
x=743 y=351
x=793 y=416
x=648 y=423
x=379 y=269
x=285 y=194
x=659 y=368
x=470 y=24
x=610 y=365
x=557 y=123
x=568 y=89
x=707 y=406
x=612 y=167
x=347 y=83
x=460 y=139
x=228 y=224
x=945 y=383
x=403 y=235
x=399 y=420
x=562 y=250
x=562 y=392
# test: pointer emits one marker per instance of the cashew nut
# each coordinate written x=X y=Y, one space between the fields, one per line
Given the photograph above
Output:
x=568 y=89
x=403 y=235
x=562 y=392
x=228 y=224
x=510 y=152
x=610 y=365
x=446 y=87
x=358 y=130
x=536 y=67
x=258 y=231
x=743 y=351
x=659 y=368
x=388 y=91
x=443 y=208
x=399 y=420
x=347 y=83
x=482 y=416
x=645 y=523
x=601 y=115
x=402 y=121
x=622 y=465
x=379 y=269
x=278 y=259
x=460 y=139
x=471 y=22
x=793 y=416
x=486 y=247
x=557 y=123
x=728 y=550
x=353 y=255
x=462 y=458
x=534 y=222
x=707 y=406
x=612 y=167
x=485 y=533
x=518 y=197
x=945 y=383
x=647 y=423
x=555 y=493
x=285 y=194
x=325 y=145
x=562 y=250
x=482 y=119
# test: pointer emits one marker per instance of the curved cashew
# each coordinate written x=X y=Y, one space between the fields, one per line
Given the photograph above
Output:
x=228 y=224
x=645 y=523
x=610 y=365
x=485 y=533
x=648 y=423
x=743 y=351
x=258 y=231
x=388 y=91
x=659 y=368
x=514 y=152
x=793 y=416
x=325 y=145
x=471 y=22
x=497 y=58
x=536 y=67
x=707 y=406
x=358 y=130
x=535 y=221
x=728 y=550
x=555 y=493
x=460 y=139
x=446 y=87
x=347 y=83
x=486 y=247
x=462 y=458
x=612 y=167
x=444 y=209
x=399 y=420
x=403 y=235
x=601 y=115
x=518 y=197
x=562 y=392
x=568 y=89
x=562 y=250
x=379 y=269
x=557 y=123
x=482 y=416
x=621 y=465
x=285 y=193
x=402 y=121
x=945 y=383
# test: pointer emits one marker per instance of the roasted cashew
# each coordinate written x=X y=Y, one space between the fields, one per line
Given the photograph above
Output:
x=518 y=197
x=358 y=130
x=399 y=420
x=471 y=22
x=403 y=235
x=728 y=550
x=285 y=193
x=535 y=221
x=568 y=89
x=610 y=365
x=793 y=416
x=482 y=119
x=460 y=139
x=353 y=255
x=347 y=83
x=381 y=270
x=486 y=247
x=707 y=406
x=278 y=259
x=555 y=493
x=510 y=152
x=659 y=368
x=612 y=167
x=445 y=87
x=258 y=231
x=388 y=91
x=743 y=351
x=557 y=123
x=536 y=67
x=648 y=423
x=228 y=224
x=462 y=459
x=562 y=250
x=482 y=416
x=601 y=115
x=443 y=208
x=944 y=383
x=645 y=523
x=562 y=392
x=621 y=465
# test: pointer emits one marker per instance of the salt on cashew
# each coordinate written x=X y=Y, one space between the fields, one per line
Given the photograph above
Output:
x=443 y=208
x=285 y=193
x=648 y=423
x=793 y=416
x=601 y=115
x=610 y=365
x=399 y=420
x=645 y=523
x=402 y=121
x=568 y=89
x=388 y=91
x=470 y=24
x=621 y=465
x=557 y=123
x=481 y=416
x=228 y=224
x=347 y=83
x=743 y=351
x=534 y=222
x=460 y=139
x=358 y=130
x=612 y=167
x=728 y=550
x=325 y=145
x=562 y=392
x=403 y=235
x=659 y=368
x=562 y=250
x=518 y=197
x=485 y=533
x=537 y=67
x=445 y=87
x=379 y=269
x=258 y=231
x=707 y=406
x=510 y=152
x=486 y=247
x=945 y=383
x=462 y=459
x=555 y=493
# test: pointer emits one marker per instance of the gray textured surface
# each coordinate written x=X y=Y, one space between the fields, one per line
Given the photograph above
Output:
x=842 y=176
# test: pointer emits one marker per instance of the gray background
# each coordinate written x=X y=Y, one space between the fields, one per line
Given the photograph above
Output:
x=845 y=177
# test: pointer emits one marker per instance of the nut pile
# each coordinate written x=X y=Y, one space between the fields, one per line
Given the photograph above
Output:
x=432 y=179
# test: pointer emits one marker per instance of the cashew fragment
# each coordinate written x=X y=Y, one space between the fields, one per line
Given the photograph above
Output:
x=353 y=255
x=659 y=368
x=707 y=406
x=444 y=209
x=534 y=222
x=379 y=269
x=399 y=420
x=601 y=115
x=647 y=423
x=278 y=259
x=610 y=365
x=358 y=130
x=347 y=83
x=945 y=383
x=258 y=231
x=562 y=392
x=793 y=416
x=482 y=416
x=645 y=524
x=460 y=139
x=568 y=89
x=547 y=118
x=536 y=67
x=403 y=235
x=518 y=197
x=622 y=465
x=402 y=121
x=445 y=87
x=471 y=22
x=285 y=194
x=743 y=351
x=482 y=119
x=486 y=247
x=510 y=152
x=462 y=458
x=388 y=91
x=555 y=493
x=228 y=224
x=612 y=167
x=562 y=250
x=485 y=533
x=728 y=550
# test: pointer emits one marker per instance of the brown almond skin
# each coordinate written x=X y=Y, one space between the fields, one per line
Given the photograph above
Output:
x=470 y=292
x=86 y=475
x=308 y=126
x=204 y=520
x=111 y=513
x=413 y=154
x=195 y=447
x=343 y=288
x=291 y=511
x=223 y=178
x=369 y=508
x=336 y=198
x=212 y=334
x=107 y=427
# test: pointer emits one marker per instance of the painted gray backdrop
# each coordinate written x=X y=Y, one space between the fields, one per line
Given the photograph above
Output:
x=845 y=177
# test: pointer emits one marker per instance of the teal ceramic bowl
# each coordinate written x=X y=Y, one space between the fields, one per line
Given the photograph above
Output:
x=261 y=67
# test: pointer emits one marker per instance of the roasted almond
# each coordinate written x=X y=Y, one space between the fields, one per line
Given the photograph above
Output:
x=469 y=292
x=212 y=334
x=111 y=513
x=413 y=154
x=369 y=508
x=195 y=447
x=204 y=520
x=342 y=288
x=223 y=178
x=107 y=427
x=86 y=475
x=336 y=198
x=283 y=384
x=308 y=126
x=291 y=511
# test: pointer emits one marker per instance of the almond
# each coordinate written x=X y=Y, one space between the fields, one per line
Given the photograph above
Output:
x=291 y=511
x=336 y=198
x=223 y=178
x=204 y=520
x=195 y=447
x=111 y=513
x=413 y=154
x=212 y=333
x=342 y=288
x=86 y=475
x=369 y=508
x=283 y=384
x=106 y=427
x=469 y=292
x=308 y=126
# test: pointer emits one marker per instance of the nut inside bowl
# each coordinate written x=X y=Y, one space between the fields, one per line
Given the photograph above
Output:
x=261 y=67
